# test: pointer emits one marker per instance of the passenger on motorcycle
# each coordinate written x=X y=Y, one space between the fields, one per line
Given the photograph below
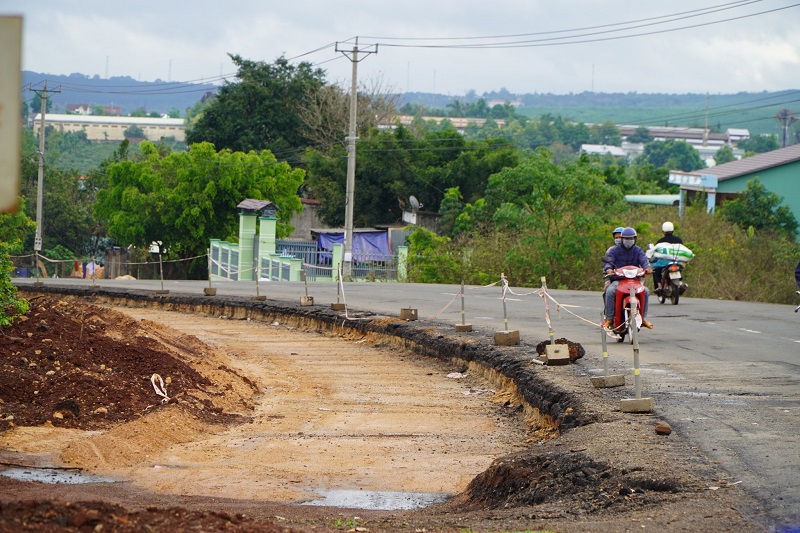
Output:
x=624 y=254
x=667 y=228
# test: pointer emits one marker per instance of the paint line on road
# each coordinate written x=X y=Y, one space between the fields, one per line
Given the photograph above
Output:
x=748 y=330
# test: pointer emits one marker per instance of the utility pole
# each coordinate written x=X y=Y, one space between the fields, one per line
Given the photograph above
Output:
x=37 y=243
x=352 y=55
x=786 y=118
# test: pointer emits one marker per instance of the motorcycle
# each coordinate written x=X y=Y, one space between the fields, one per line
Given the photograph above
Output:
x=671 y=259
x=672 y=285
x=630 y=283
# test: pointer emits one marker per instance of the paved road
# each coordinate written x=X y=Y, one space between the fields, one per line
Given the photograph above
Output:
x=725 y=374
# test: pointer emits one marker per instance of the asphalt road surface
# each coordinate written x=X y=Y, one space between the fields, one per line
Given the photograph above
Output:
x=724 y=374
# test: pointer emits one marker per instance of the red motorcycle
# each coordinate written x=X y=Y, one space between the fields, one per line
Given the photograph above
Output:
x=630 y=281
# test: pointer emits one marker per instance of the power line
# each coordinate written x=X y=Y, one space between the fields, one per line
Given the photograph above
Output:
x=560 y=41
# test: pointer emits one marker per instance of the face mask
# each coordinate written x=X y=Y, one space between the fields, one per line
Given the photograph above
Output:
x=617 y=241
x=627 y=243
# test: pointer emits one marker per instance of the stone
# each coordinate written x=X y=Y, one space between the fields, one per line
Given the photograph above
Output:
x=662 y=428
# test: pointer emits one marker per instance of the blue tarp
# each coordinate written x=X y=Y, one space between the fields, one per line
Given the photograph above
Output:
x=367 y=245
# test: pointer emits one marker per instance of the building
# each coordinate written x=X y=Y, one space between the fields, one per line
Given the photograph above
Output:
x=105 y=128
x=778 y=171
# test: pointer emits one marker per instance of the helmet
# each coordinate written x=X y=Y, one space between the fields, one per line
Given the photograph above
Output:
x=628 y=233
x=666 y=227
x=618 y=230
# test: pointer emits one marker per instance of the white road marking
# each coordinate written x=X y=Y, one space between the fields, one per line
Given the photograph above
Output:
x=748 y=330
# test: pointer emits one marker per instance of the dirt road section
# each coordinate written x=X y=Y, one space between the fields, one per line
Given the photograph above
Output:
x=329 y=413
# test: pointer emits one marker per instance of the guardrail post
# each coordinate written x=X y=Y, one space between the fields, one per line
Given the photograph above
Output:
x=605 y=381
x=636 y=404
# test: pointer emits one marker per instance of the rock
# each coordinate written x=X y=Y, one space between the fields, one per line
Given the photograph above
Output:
x=662 y=428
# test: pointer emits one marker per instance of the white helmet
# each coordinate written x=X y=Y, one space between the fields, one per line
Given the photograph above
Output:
x=667 y=227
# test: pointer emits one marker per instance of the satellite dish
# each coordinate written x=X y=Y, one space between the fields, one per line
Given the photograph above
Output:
x=415 y=205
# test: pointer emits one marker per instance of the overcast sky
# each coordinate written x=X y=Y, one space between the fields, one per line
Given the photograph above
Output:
x=443 y=46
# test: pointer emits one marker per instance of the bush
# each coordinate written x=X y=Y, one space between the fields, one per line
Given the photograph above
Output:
x=11 y=306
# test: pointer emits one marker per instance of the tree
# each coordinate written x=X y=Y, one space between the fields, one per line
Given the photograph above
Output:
x=759 y=143
x=11 y=305
x=606 y=133
x=134 y=132
x=555 y=211
x=724 y=155
x=760 y=209
x=14 y=228
x=261 y=111
x=674 y=155
x=325 y=112
x=185 y=199
x=641 y=135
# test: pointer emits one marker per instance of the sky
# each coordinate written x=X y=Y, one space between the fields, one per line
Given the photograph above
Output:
x=441 y=46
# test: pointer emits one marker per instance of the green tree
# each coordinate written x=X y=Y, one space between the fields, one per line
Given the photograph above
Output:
x=11 y=305
x=641 y=135
x=134 y=132
x=759 y=143
x=429 y=260
x=185 y=199
x=556 y=212
x=606 y=133
x=760 y=209
x=724 y=155
x=674 y=155
x=14 y=229
x=261 y=110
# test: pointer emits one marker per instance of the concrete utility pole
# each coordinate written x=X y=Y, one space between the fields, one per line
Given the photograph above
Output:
x=786 y=118
x=351 y=157
x=37 y=243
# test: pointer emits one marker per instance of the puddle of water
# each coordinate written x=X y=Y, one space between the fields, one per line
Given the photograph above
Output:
x=376 y=500
x=53 y=476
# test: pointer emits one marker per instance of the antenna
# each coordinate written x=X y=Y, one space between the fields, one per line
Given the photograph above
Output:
x=415 y=205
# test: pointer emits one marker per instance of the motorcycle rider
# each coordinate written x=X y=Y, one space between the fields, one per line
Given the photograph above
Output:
x=797 y=274
x=624 y=254
x=617 y=241
x=667 y=228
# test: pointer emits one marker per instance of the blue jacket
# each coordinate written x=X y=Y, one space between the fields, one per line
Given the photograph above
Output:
x=619 y=256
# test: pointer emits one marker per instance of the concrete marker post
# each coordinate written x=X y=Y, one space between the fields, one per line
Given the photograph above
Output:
x=505 y=337
x=209 y=291
x=554 y=355
x=606 y=381
x=305 y=300
x=636 y=404
x=338 y=306
x=161 y=271
x=463 y=327
x=257 y=274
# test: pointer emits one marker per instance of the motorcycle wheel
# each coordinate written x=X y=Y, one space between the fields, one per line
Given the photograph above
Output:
x=674 y=294
x=661 y=296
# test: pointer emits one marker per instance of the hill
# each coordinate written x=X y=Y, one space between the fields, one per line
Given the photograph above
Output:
x=122 y=91
x=753 y=111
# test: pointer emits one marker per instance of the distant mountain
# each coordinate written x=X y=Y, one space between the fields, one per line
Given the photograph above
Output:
x=121 y=91
x=753 y=111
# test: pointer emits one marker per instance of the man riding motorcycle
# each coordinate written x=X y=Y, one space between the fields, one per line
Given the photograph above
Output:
x=667 y=228
x=624 y=254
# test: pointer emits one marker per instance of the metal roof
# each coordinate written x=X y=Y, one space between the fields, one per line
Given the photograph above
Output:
x=752 y=164
x=258 y=206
